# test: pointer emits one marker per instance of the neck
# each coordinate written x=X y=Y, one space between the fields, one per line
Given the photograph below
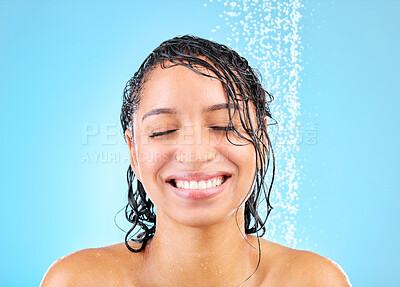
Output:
x=215 y=255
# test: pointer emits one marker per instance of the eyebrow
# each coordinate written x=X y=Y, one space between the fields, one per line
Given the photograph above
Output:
x=208 y=109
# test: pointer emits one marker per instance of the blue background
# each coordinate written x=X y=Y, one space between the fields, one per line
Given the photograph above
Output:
x=63 y=66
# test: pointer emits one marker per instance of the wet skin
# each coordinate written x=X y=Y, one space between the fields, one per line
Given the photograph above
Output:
x=197 y=242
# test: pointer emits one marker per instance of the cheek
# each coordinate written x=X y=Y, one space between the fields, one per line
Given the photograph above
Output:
x=244 y=158
x=241 y=152
x=151 y=158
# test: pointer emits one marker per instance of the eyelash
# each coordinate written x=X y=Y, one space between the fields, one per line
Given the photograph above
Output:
x=170 y=131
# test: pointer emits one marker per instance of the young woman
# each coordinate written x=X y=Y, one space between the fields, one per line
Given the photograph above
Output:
x=195 y=119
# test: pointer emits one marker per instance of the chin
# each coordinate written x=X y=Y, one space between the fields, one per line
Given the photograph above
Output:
x=202 y=217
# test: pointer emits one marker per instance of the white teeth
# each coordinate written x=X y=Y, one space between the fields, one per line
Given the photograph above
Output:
x=198 y=185
x=193 y=184
x=214 y=182
x=186 y=185
x=202 y=184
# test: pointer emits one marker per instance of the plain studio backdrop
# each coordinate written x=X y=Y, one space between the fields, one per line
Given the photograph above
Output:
x=332 y=65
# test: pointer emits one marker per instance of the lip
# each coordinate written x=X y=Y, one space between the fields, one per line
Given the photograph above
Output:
x=198 y=194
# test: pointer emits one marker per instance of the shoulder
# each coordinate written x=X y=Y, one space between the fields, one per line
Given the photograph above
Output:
x=304 y=268
x=319 y=270
x=89 y=267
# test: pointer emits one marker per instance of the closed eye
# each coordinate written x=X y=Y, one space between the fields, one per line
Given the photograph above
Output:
x=171 y=131
x=223 y=128
x=161 y=133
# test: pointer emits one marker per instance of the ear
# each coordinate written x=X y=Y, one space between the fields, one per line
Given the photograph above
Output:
x=264 y=139
x=132 y=153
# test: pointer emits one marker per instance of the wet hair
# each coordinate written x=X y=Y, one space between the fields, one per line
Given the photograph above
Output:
x=242 y=85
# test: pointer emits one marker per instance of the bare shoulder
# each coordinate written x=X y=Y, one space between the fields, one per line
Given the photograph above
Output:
x=302 y=268
x=104 y=266
x=319 y=270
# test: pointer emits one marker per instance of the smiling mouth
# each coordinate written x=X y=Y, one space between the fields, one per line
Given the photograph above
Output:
x=204 y=184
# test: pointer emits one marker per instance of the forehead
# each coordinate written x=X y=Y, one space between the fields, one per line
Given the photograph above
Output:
x=181 y=86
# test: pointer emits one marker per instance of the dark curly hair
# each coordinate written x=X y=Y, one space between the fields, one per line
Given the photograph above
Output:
x=238 y=79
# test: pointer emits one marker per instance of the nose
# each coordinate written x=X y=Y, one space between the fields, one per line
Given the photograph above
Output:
x=194 y=148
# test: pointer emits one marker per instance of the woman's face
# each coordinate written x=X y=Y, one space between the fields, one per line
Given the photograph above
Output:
x=176 y=146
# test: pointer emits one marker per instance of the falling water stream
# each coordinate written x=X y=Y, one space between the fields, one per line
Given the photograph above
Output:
x=267 y=34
